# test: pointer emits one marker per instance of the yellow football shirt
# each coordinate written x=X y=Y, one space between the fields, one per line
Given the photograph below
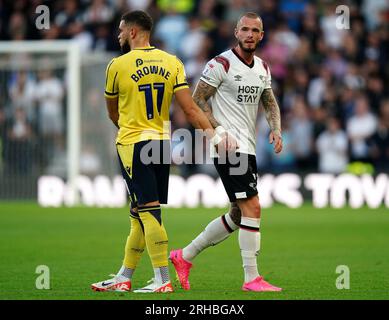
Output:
x=145 y=80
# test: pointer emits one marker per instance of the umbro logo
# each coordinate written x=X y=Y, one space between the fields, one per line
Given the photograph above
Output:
x=238 y=77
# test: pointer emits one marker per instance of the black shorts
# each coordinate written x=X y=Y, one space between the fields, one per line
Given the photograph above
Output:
x=145 y=167
x=239 y=178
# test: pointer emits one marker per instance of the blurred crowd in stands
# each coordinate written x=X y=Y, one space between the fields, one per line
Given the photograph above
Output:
x=331 y=84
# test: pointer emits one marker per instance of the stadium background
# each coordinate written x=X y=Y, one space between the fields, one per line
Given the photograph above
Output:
x=324 y=78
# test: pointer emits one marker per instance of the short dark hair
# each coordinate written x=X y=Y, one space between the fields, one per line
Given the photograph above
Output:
x=251 y=15
x=140 y=18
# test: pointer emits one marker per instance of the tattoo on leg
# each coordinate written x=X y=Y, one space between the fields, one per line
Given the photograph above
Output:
x=235 y=213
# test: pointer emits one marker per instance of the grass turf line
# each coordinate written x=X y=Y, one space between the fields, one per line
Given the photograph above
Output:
x=300 y=251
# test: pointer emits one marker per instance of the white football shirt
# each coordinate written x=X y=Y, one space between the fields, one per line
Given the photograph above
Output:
x=239 y=88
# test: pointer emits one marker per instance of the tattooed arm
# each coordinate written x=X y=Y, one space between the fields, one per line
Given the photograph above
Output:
x=272 y=111
x=273 y=117
x=201 y=95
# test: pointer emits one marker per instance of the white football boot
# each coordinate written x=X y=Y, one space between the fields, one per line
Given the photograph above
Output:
x=156 y=287
x=117 y=283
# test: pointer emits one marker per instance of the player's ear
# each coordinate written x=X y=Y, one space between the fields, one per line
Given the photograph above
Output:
x=236 y=33
x=133 y=32
x=261 y=35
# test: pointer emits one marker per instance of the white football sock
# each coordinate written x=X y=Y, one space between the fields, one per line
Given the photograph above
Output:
x=216 y=231
x=125 y=273
x=249 y=243
x=161 y=275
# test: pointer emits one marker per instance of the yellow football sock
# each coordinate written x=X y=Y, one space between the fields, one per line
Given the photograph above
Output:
x=135 y=244
x=155 y=235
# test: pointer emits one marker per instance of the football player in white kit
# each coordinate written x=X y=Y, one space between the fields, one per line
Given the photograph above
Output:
x=236 y=81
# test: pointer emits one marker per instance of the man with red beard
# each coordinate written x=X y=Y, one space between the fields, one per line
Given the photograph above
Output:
x=236 y=81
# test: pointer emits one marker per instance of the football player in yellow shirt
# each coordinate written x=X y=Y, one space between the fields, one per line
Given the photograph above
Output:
x=139 y=88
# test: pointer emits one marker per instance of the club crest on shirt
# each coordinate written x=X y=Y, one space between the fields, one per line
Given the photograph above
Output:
x=265 y=80
x=207 y=70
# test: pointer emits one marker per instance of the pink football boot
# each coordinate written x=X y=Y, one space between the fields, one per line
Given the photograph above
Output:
x=182 y=268
x=259 y=285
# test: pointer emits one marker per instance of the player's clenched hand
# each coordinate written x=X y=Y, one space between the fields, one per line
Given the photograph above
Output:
x=229 y=143
x=275 y=138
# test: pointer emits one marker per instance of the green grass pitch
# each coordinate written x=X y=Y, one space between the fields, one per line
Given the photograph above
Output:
x=300 y=251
